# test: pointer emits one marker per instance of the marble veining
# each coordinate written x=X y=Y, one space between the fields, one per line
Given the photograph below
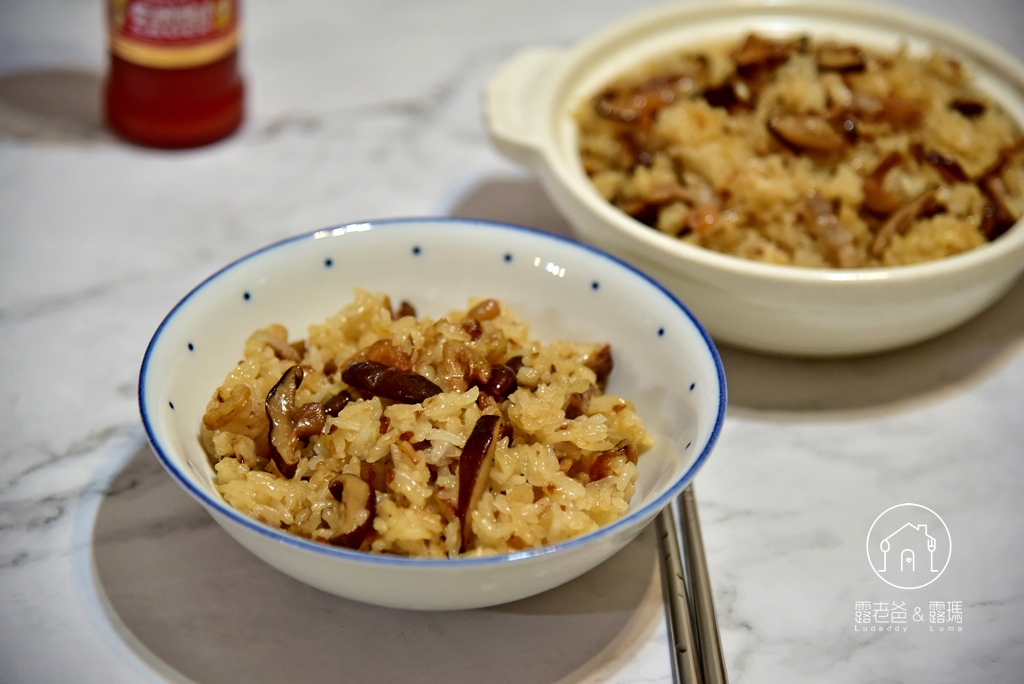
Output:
x=110 y=573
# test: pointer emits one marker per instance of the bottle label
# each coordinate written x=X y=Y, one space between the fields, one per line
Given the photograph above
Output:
x=172 y=34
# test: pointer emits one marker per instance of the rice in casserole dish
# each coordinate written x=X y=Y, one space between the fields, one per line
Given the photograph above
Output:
x=804 y=153
x=393 y=433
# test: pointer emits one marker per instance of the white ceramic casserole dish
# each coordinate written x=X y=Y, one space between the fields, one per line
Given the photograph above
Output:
x=529 y=108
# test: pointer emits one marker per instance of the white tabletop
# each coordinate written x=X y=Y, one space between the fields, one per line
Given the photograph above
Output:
x=109 y=573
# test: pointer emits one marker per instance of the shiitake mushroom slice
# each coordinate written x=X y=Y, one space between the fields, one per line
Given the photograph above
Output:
x=502 y=382
x=290 y=424
x=474 y=469
x=807 y=133
x=359 y=501
x=403 y=387
x=602 y=363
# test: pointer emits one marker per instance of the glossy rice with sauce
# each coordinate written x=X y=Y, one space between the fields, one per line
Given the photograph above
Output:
x=818 y=154
x=388 y=432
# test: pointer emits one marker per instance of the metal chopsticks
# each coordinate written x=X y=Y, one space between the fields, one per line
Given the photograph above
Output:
x=685 y=665
x=708 y=638
x=693 y=627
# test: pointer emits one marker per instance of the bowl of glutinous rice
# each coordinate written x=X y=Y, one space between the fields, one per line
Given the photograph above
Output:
x=431 y=413
x=812 y=178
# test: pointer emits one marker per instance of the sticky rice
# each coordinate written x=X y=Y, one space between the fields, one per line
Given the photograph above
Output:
x=804 y=153
x=563 y=465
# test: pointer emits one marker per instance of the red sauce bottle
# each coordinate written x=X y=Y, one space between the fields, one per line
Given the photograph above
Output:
x=173 y=78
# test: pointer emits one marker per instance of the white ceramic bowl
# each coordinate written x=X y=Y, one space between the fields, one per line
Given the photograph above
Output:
x=783 y=309
x=664 y=362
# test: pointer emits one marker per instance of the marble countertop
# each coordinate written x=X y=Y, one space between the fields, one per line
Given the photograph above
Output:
x=109 y=573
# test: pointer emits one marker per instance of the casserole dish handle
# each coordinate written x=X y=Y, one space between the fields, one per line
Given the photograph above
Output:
x=511 y=103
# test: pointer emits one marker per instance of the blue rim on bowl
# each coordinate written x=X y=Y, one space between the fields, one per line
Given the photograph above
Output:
x=217 y=503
